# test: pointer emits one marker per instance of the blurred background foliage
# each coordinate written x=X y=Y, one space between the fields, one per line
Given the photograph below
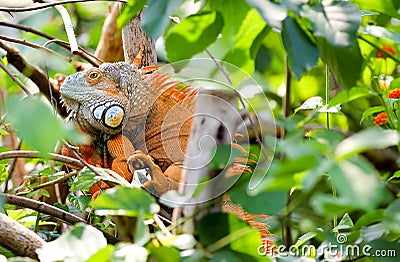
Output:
x=335 y=170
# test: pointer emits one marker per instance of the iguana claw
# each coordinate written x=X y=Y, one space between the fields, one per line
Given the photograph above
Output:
x=159 y=181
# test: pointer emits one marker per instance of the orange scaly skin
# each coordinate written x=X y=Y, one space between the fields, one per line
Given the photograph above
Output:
x=137 y=118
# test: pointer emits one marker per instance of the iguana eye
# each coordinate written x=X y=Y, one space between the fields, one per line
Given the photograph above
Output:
x=93 y=76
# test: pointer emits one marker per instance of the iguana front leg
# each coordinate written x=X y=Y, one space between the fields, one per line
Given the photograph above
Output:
x=161 y=181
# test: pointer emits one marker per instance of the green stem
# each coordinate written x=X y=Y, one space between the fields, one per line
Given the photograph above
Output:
x=335 y=218
x=379 y=48
x=388 y=109
x=36 y=228
x=327 y=92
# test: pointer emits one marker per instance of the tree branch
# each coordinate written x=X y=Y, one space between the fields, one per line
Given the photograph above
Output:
x=34 y=8
x=52 y=211
x=34 y=154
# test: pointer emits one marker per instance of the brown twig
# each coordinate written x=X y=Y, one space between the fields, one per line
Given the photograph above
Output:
x=15 y=79
x=52 y=211
x=33 y=8
x=53 y=182
x=82 y=52
x=34 y=154
x=69 y=28
x=35 y=46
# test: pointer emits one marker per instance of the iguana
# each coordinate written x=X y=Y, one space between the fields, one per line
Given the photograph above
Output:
x=136 y=117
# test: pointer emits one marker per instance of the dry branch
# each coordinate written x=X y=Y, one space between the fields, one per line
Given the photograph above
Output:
x=110 y=48
x=52 y=211
x=35 y=74
x=34 y=154
x=18 y=239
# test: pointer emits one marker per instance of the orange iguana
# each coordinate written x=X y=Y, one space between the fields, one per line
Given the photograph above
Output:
x=136 y=118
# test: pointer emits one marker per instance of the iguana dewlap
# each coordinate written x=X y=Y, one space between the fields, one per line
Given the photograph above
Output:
x=127 y=111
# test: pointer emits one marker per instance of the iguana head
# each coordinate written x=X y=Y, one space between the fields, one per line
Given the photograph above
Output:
x=99 y=98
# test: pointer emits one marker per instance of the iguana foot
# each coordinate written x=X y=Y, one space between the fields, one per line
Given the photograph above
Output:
x=159 y=182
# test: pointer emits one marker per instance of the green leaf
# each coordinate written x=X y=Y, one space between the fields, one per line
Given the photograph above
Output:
x=84 y=180
x=302 y=53
x=346 y=64
x=392 y=216
x=246 y=42
x=36 y=123
x=270 y=202
x=142 y=233
x=336 y=21
x=346 y=96
x=80 y=202
x=381 y=6
x=224 y=155
x=102 y=255
x=304 y=238
x=193 y=35
x=129 y=11
x=370 y=111
x=163 y=253
x=345 y=223
x=212 y=227
x=156 y=16
x=69 y=245
x=372 y=138
x=381 y=32
x=271 y=12
x=125 y=201
x=370 y=218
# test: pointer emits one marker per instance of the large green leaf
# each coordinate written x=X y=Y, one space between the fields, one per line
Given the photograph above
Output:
x=156 y=16
x=130 y=9
x=372 y=138
x=247 y=41
x=346 y=64
x=264 y=203
x=336 y=21
x=381 y=6
x=193 y=35
x=358 y=185
x=302 y=53
x=37 y=124
x=125 y=201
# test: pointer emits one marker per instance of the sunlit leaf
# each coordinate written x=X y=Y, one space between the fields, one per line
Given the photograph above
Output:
x=125 y=201
x=336 y=21
x=310 y=104
x=193 y=35
x=271 y=12
x=130 y=9
x=346 y=96
x=381 y=6
x=302 y=53
x=80 y=202
x=156 y=16
x=102 y=255
x=372 y=138
x=36 y=123
x=163 y=253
